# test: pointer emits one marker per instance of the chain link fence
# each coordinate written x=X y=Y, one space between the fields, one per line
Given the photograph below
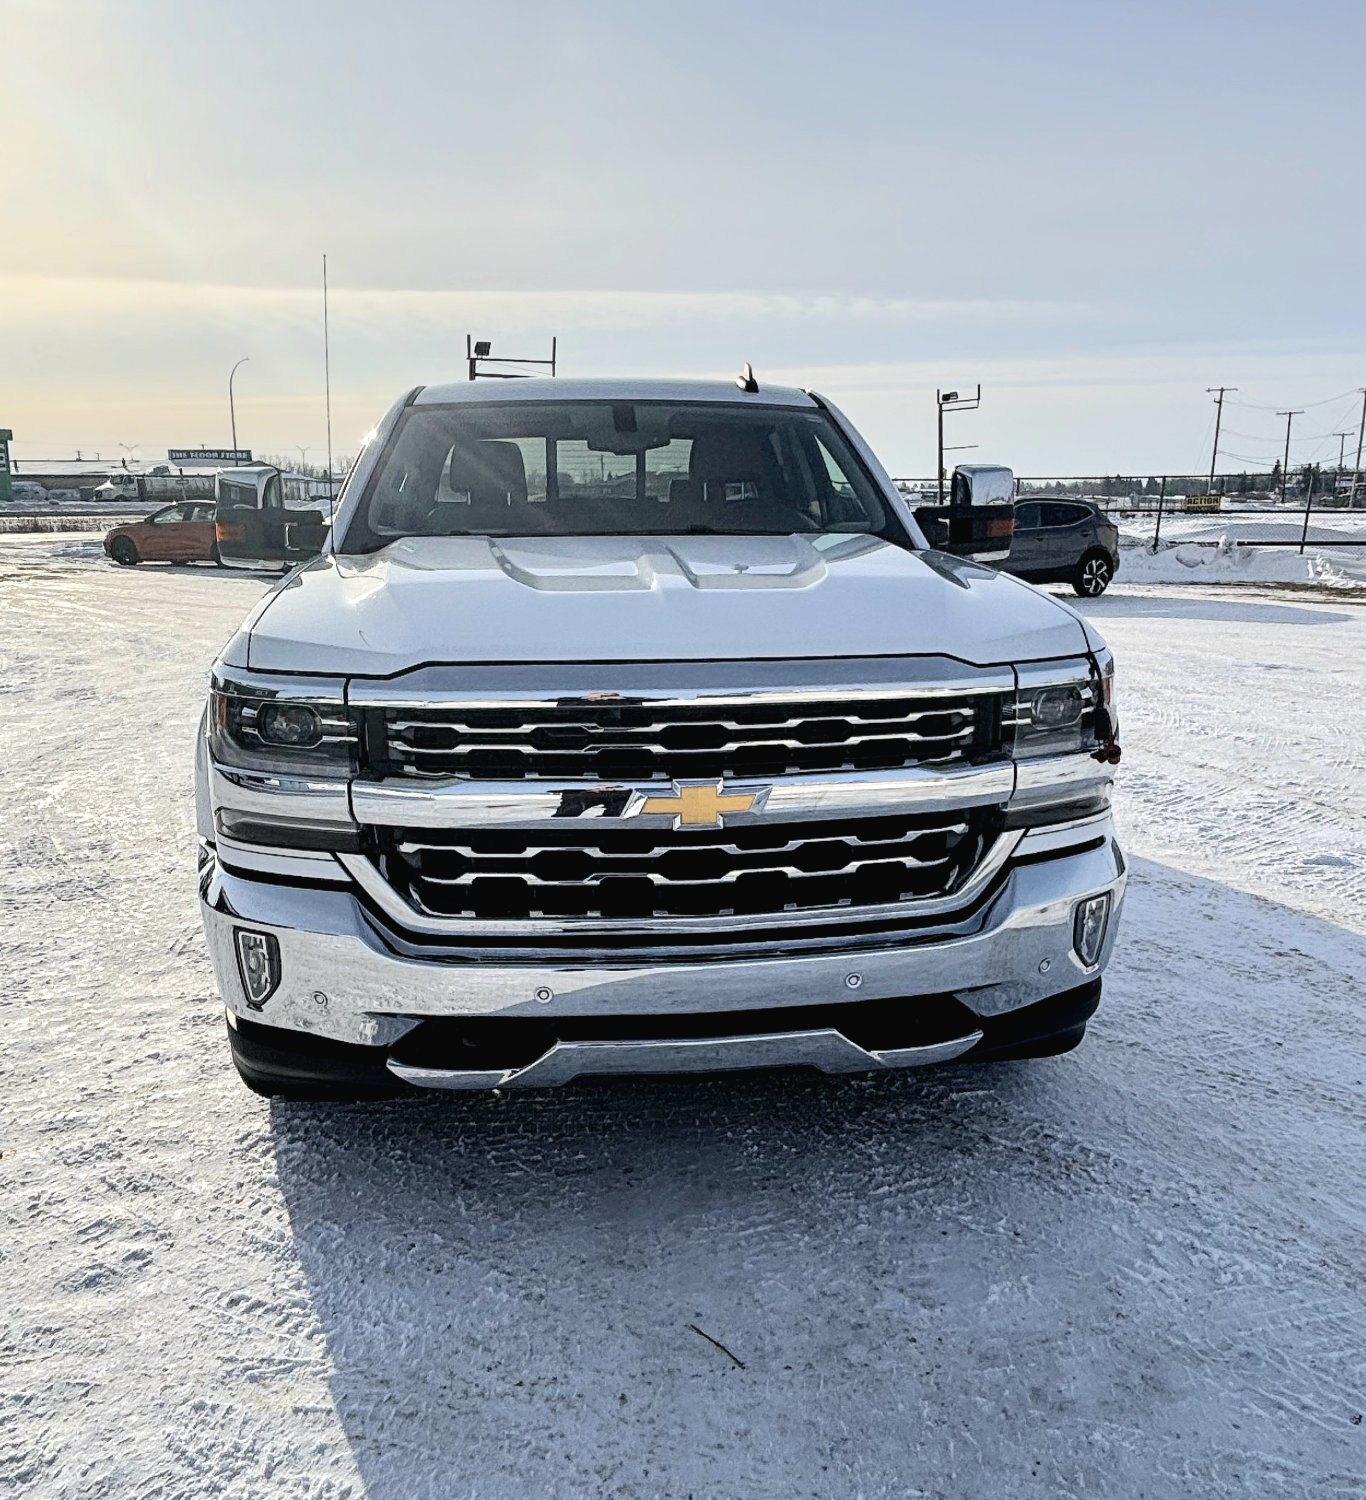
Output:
x=1313 y=509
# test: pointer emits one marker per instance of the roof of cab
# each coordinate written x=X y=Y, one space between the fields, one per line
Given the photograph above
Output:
x=554 y=388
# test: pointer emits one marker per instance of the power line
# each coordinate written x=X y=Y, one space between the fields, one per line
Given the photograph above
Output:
x=1327 y=401
x=1262 y=437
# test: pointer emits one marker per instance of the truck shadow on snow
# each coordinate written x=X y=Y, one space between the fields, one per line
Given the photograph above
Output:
x=505 y=1284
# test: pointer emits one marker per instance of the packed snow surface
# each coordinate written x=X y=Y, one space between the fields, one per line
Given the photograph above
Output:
x=1133 y=1271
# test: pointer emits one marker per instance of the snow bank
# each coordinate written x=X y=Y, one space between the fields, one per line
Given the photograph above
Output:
x=1228 y=561
x=1214 y=549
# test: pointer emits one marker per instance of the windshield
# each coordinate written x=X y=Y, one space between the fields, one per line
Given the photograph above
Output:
x=600 y=468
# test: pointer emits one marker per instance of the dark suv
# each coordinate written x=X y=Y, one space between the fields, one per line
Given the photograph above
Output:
x=1064 y=541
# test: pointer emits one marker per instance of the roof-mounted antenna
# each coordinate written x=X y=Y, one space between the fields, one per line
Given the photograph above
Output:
x=746 y=381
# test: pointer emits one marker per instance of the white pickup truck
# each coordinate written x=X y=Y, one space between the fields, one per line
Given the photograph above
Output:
x=632 y=727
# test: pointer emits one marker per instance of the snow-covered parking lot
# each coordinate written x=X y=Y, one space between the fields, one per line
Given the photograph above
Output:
x=1134 y=1271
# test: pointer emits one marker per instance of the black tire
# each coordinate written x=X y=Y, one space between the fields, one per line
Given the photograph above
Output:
x=124 y=552
x=1094 y=573
x=214 y=558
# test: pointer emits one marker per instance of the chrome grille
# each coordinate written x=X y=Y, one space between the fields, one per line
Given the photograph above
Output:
x=599 y=871
x=640 y=740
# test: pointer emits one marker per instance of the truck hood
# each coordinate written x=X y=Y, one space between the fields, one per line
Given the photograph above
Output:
x=584 y=599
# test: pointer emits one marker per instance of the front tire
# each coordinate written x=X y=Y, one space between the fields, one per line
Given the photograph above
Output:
x=214 y=558
x=124 y=552
x=1093 y=574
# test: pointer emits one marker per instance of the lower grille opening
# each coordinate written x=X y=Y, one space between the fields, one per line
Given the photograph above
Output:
x=516 y=1042
x=593 y=871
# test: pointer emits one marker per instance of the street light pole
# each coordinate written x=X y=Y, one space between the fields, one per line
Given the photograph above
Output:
x=232 y=409
x=951 y=401
x=939 y=446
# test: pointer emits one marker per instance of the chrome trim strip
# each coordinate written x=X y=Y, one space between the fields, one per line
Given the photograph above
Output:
x=1033 y=675
x=280 y=797
x=891 y=726
x=827 y=1050
x=1065 y=835
x=459 y=803
x=1059 y=778
x=670 y=882
x=681 y=685
x=470 y=741
x=304 y=864
x=412 y=846
x=247 y=684
x=407 y=918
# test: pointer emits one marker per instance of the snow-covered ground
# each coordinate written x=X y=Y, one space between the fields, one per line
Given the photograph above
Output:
x=1134 y=1271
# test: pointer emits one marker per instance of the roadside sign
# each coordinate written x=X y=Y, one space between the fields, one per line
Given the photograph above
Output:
x=209 y=455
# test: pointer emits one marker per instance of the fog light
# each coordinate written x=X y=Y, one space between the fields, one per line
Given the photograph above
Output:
x=1088 y=928
x=258 y=962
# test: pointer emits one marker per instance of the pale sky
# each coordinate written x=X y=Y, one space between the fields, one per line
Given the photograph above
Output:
x=1095 y=209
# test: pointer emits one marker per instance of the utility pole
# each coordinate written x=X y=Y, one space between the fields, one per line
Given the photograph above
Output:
x=1342 y=456
x=1285 y=464
x=1218 y=419
x=951 y=401
x=1356 y=471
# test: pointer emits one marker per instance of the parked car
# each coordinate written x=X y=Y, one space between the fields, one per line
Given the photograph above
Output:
x=1064 y=541
x=177 y=533
x=701 y=761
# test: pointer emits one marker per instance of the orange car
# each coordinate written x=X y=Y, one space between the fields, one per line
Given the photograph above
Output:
x=179 y=533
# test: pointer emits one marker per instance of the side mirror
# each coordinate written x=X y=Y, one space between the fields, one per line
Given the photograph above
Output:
x=979 y=520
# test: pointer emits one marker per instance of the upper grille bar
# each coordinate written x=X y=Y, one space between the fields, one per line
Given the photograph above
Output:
x=628 y=739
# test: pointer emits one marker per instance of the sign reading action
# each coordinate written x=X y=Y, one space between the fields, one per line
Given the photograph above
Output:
x=209 y=455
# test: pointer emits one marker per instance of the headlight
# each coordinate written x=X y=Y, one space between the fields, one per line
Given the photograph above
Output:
x=1063 y=707
x=1107 y=728
x=282 y=724
x=295 y=725
x=1057 y=707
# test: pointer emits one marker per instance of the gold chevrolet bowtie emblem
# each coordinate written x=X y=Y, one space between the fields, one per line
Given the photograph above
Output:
x=700 y=804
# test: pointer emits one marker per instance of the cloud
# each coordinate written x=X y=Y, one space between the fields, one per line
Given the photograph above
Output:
x=34 y=302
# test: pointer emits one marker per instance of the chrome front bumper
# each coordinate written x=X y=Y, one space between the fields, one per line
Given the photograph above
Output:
x=342 y=981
